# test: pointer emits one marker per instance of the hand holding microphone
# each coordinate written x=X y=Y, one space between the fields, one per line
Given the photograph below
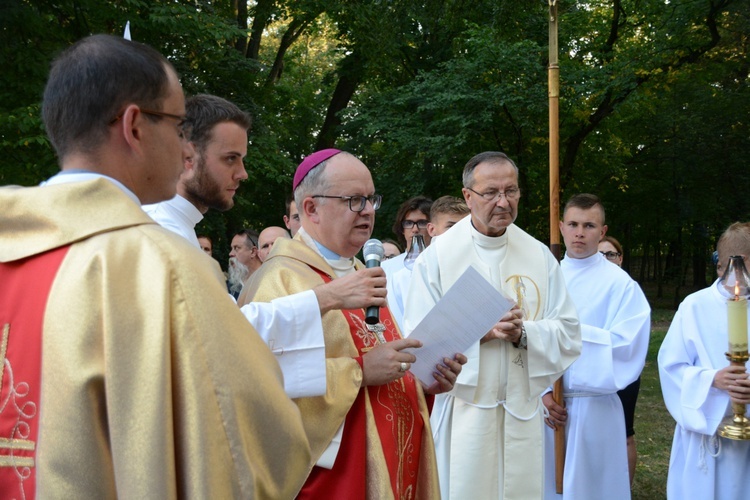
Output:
x=364 y=288
x=373 y=253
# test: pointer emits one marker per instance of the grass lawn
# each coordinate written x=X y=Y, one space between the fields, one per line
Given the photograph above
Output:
x=654 y=425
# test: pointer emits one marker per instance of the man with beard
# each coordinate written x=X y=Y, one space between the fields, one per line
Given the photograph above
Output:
x=237 y=275
x=245 y=250
x=243 y=260
x=217 y=133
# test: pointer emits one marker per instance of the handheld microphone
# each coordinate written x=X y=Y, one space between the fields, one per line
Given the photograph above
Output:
x=373 y=253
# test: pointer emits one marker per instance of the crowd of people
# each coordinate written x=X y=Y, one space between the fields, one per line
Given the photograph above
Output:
x=133 y=367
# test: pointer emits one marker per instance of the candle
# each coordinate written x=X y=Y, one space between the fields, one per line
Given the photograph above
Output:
x=737 y=322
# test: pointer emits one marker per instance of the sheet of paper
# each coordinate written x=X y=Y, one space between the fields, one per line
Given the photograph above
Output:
x=465 y=313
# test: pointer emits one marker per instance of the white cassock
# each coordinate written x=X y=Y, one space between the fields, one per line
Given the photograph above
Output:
x=398 y=287
x=702 y=464
x=615 y=326
x=290 y=326
x=393 y=267
x=488 y=429
x=178 y=215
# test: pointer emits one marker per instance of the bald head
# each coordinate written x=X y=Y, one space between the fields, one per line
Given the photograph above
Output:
x=324 y=200
x=267 y=238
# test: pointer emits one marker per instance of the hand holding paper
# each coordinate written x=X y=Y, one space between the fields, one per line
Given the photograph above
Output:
x=462 y=317
x=446 y=375
x=508 y=328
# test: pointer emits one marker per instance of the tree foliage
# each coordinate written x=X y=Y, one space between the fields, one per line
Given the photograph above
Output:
x=653 y=110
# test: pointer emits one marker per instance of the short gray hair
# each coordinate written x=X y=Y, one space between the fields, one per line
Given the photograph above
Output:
x=493 y=157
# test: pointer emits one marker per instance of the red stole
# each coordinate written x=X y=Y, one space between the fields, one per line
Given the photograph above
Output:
x=24 y=289
x=395 y=408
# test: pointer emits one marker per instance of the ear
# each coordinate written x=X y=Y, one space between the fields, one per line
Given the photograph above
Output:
x=189 y=156
x=131 y=126
x=431 y=229
x=560 y=225
x=189 y=162
x=604 y=231
x=310 y=209
x=467 y=197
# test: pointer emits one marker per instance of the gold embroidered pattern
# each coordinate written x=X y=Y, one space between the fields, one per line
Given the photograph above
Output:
x=402 y=418
x=3 y=352
x=24 y=411
x=526 y=303
x=369 y=338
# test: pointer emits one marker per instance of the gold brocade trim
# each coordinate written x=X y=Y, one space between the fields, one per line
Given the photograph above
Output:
x=16 y=444
x=3 y=351
x=9 y=443
x=10 y=461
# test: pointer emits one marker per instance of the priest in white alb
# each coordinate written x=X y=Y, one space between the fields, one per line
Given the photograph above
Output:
x=489 y=429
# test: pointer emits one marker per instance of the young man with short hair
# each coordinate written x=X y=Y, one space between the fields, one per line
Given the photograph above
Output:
x=615 y=326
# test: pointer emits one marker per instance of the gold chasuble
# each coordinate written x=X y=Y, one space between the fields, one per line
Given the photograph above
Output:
x=386 y=450
x=127 y=370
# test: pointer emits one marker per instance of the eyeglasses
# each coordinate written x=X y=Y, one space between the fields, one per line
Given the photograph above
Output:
x=357 y=203
x=611 y=255
x=510 y=194
x=160 y=114
x=421 y=224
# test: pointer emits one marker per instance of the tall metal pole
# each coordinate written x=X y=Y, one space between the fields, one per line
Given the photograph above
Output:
x=553 y=76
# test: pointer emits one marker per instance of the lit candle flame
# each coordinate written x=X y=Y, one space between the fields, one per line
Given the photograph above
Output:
x=737 y=290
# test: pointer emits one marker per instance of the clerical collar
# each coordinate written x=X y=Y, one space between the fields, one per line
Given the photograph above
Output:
x=186 y=208
x=488 y=241
x=585 y=262
x=338 y=263
x=80 y=175
x=325 y=252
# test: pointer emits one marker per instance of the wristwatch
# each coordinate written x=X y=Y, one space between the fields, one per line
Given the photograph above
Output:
x=522 y=342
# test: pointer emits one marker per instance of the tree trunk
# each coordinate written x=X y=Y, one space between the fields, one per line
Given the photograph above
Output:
x=292 y=33
x=240 y=7
x=350 y=75
x=262 y=14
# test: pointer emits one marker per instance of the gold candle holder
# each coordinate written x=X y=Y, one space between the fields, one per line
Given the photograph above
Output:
x=736 y=426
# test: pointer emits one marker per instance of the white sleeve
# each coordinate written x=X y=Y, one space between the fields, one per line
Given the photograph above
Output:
x=613 y=355
x=687 y=374
x=293 y=330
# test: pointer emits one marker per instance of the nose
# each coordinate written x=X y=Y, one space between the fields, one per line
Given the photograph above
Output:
x=242 y=173
x=503 y=201
x=369 y=209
